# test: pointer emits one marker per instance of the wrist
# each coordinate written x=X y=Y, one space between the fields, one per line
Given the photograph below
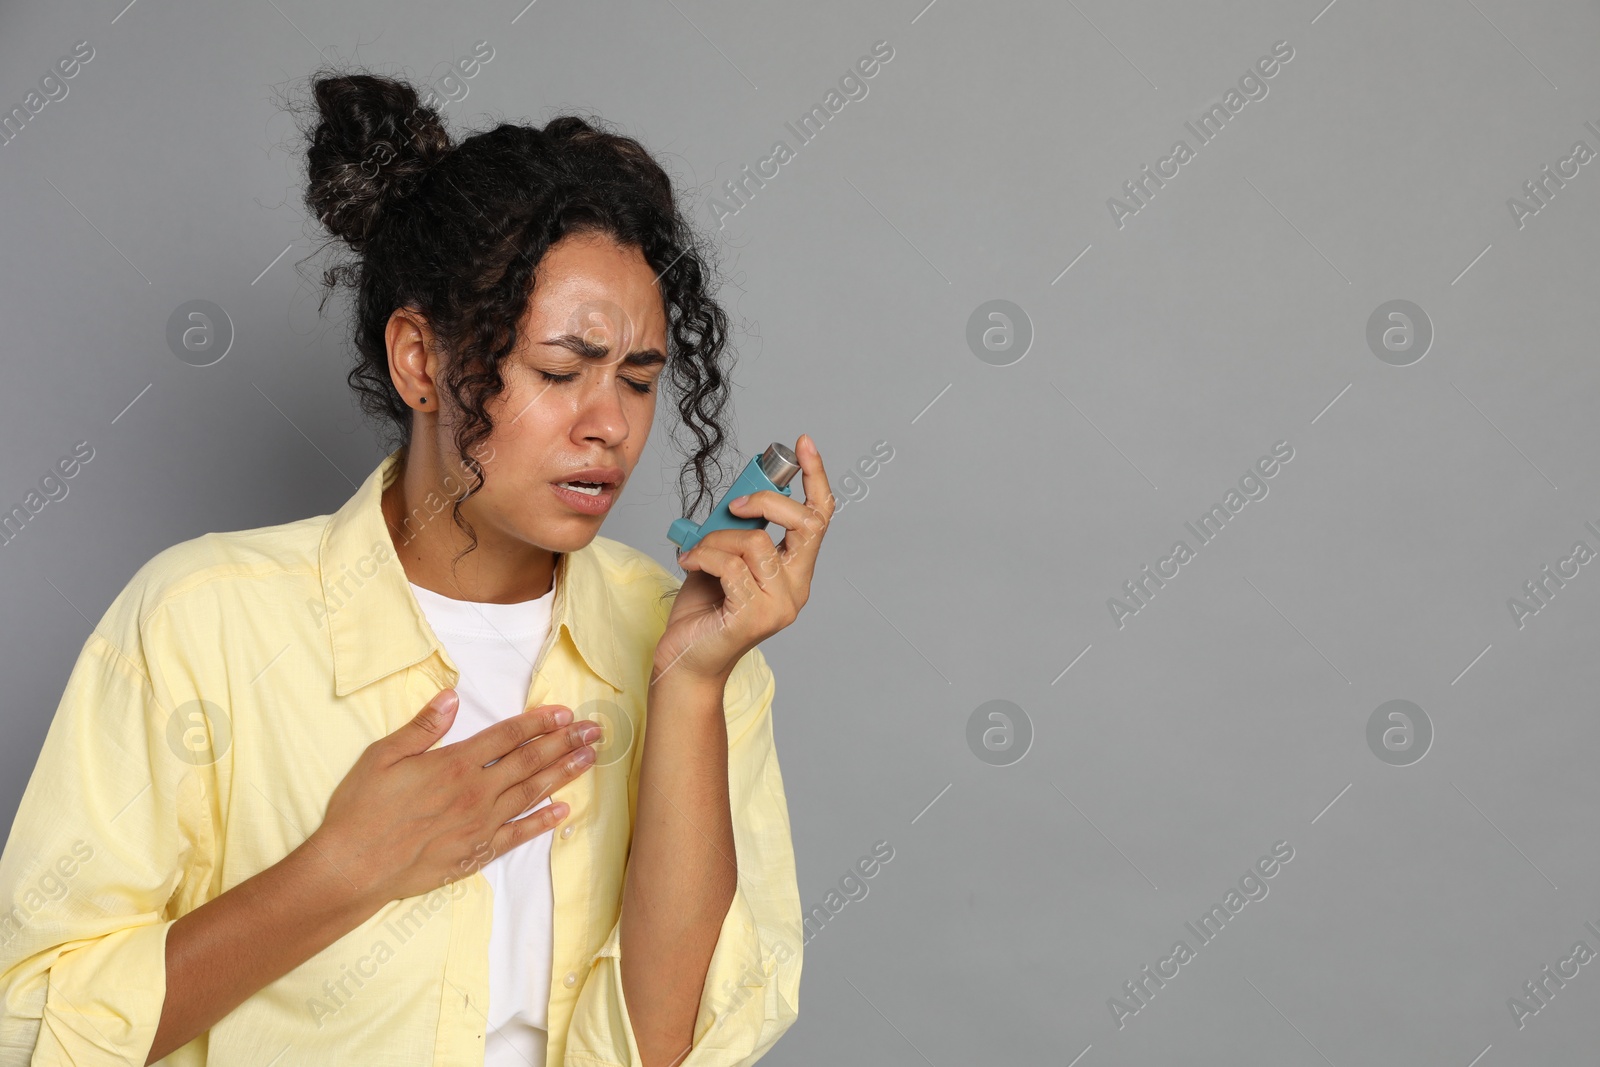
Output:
x=685 y=684
x=333 y=879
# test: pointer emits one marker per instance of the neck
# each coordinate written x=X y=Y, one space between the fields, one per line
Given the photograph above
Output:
x=501 y=570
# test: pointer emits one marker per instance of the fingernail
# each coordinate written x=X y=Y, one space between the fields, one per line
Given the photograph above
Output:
x=740 y=500
x=563 y=717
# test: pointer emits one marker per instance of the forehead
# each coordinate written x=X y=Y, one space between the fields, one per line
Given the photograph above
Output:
x=591 y=286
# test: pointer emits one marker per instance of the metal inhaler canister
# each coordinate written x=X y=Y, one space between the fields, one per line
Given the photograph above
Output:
x=773 y=470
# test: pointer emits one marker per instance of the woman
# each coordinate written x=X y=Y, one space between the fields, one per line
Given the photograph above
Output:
x=242 y=843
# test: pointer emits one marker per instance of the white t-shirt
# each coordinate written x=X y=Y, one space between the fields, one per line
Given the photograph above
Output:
x=493 y=646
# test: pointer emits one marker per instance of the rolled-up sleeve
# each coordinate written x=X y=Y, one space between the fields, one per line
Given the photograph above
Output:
x=99 y=848
x=752 y=987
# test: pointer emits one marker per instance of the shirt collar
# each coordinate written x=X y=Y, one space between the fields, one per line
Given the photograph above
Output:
x=377 y=627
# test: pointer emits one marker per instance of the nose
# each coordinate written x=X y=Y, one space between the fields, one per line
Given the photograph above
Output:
x=600 y=414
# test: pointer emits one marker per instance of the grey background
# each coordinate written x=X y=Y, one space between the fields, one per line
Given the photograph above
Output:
x=1227 y=315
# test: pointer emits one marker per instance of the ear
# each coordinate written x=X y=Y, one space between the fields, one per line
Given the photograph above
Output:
x=412 y=359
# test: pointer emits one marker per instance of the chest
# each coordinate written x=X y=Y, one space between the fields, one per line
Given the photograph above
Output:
x=293 y=741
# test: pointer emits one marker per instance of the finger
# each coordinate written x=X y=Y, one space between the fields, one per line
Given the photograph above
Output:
x=755 y=547
x=819 y=499
x=532 y=790
x=739 y=586
x=813 y=476
x=523 y=762
x=796 y=517
x=528 y=827
x=490 y=744
x=803 y=524
x=426 y=727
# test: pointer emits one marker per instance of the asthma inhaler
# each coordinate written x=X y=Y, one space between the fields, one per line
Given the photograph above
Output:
x=772 y=470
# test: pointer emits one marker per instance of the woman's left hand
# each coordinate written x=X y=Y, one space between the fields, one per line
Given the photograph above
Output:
x=740 y=588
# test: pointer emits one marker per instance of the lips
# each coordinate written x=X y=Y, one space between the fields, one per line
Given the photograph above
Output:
x=591 y=490
x=603 y=479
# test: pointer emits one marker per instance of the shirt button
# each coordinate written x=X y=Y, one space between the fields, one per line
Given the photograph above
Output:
x=570 y=980
x=566 y=831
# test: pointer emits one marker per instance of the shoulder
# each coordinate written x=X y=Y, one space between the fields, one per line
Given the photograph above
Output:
x=627 y=562
x=644 y=591
x=639 y=593
x=215 y=572
x=634 y=576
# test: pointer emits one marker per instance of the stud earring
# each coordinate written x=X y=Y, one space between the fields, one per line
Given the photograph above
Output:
x=424 y=400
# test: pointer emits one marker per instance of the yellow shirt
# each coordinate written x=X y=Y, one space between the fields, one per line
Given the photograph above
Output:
x=220 y=699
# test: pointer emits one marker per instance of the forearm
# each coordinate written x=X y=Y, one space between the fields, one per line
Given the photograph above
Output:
x=236 y=944
x=682 y=868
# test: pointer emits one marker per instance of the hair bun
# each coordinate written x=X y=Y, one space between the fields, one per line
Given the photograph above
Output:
x=373 y=143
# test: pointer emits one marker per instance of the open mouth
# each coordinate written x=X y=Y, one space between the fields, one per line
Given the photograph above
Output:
x=589 y=498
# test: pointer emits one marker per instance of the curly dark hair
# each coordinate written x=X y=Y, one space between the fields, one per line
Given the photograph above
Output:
x=456 y=232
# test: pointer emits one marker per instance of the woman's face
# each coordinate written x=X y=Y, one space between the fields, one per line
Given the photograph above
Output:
x=579 y=398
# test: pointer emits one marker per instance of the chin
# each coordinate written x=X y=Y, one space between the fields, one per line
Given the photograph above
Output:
x=568 y=536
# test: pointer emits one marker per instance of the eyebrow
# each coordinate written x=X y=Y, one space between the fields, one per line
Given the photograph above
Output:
x=649 y=357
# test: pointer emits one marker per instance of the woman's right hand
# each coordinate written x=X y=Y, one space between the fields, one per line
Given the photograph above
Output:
x=406 y=820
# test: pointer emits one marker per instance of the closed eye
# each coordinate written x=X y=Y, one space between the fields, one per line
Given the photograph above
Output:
x=638 y=387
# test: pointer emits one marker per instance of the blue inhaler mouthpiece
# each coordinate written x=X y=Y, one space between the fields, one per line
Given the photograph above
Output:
x=772 y=470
